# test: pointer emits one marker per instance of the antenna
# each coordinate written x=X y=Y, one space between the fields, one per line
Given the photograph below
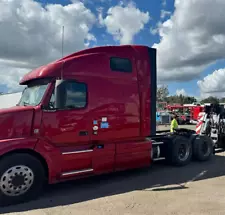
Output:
x=62 y=39
x=62 y=51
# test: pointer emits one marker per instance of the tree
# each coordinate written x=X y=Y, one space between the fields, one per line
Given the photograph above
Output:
x=162 y=93
x=163 y=96
x=189 y=100
x=181 y=99
x=211 y=99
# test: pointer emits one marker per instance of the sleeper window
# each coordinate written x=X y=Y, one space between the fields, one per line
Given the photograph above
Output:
x=120 y=64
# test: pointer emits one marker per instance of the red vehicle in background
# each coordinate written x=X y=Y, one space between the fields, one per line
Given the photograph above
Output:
x=186 y=113
x=182 y=112
x=89 y=113
x=195 y=113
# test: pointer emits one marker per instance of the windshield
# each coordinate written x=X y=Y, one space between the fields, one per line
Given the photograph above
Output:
x=32 y=95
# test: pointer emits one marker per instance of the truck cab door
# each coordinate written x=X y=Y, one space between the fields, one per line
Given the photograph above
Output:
x=68 y=128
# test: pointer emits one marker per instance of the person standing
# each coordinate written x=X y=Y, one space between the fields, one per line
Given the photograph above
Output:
x=174 y=123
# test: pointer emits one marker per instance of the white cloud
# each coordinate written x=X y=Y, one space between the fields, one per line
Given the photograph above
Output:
x=31 y=34
x=124 y=22
x=181 y=92
x=191 y=39
x=155 y=30
x=213 y=84
x=164 y=13
x=10 y=76
x=93 y=2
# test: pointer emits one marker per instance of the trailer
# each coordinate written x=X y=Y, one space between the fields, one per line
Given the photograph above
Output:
x=9 y=99
x=90 y=113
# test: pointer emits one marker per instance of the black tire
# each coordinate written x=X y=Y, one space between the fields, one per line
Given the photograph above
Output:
x=202 y=148
x=29 y=166
x=177 y=157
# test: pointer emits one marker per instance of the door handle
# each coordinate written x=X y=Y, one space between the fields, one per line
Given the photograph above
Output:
x=83 y=133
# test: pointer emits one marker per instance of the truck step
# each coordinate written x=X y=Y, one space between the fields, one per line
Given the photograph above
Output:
x=70 y=173
x=157 y=143
x=159 y=159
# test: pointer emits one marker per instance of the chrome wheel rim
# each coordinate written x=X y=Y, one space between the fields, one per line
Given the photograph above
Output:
x=183 y=152
x=17 y=180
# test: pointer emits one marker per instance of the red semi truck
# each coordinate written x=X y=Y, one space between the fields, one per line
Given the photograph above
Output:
x=89 y=113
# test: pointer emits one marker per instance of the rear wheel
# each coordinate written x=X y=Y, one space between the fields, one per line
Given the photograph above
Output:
x=180 y=152
x=202 y=148
x=21 y=179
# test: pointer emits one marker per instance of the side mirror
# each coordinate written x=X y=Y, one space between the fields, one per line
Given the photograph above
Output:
x=60 y=94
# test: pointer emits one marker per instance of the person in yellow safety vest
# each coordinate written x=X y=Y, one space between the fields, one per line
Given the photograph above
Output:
x=174 y=123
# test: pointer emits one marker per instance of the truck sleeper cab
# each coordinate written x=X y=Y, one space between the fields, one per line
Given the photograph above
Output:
x=89 y=113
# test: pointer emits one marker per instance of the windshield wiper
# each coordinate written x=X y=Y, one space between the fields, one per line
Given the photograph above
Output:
x=26 y=103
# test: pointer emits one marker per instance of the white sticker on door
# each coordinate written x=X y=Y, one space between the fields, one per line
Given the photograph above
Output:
x=104 y=119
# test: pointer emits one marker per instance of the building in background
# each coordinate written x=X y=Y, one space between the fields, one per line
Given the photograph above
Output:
x=9 y=99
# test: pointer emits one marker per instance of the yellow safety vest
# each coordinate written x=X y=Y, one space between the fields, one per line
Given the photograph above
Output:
x=173 y=125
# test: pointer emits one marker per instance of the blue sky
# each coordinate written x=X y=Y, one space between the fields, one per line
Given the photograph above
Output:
x=191 y=87
x=172 y=47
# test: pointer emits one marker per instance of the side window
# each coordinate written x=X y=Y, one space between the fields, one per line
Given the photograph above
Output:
x=120 y=64
x=76 y=95
x=73 y=95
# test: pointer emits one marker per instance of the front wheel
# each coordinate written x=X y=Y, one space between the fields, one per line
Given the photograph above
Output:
x=21 y=179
